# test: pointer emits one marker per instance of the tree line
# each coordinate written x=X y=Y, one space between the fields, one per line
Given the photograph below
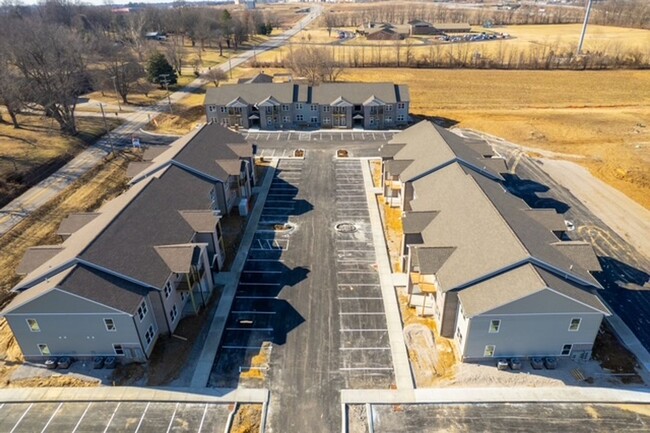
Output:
x=52 y=53
x=625 y=13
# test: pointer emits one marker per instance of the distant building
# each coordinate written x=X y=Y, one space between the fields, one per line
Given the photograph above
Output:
x=293 y=106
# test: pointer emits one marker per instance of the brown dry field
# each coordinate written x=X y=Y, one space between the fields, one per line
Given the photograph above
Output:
x=602 y=116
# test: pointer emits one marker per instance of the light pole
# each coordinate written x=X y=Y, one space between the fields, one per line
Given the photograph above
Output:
x=117 y=95
x=230 y=65
x=584 y=27
x=108 y=132
x=164 y=80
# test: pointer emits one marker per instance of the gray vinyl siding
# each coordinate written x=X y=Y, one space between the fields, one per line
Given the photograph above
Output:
x=529 y=335
x=72 y=333
x=448 y=325
x=58 y=301
x=149 y=319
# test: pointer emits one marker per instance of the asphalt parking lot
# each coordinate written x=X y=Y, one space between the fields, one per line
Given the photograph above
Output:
x=520 y=417
x=93 y=417
x=259 y=319
x=365 y=351
x=344 y=136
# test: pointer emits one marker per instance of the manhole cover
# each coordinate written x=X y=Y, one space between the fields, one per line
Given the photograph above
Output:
x=345 y=228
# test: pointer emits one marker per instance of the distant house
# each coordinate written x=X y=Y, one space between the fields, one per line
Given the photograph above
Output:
x=494 y=273
x=452 y=27
x=258 y=78
x=384 y=31
x=129 y=272
x=419 y=27
x=292 y=106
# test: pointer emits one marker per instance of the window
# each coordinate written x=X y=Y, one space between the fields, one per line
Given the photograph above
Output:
x=300 y=117
x=148 y=336
x=388 y=119
x=566 y=349
x=118 y=349
x=314 y=107
x=372 y=120
x=45 y=351
x=269 y=110
x=314 y=120
x=489 y=350
x=286 y=119
x=110 y=325
x=173 y=313
x=326 y=120
x=401 y=105
x=211 y=108
x=494 y=326
x=326 y=108
x=389 y=108
x=285 y=107
x=400 y=117
x=223 y=109
x=142 y=310
x=33 y=325
x=183 y=296
x=459 y=336
x=298 y=106
x=575 y=324
x=168 y=289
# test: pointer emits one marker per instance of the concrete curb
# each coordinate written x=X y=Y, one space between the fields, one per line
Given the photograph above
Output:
x=401 y=364
x=203 y=368
x=131 y=393
x=567 y=394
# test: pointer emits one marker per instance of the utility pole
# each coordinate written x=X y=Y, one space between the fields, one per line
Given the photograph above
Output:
x=117 y=95
x=108 y=132
x=230 y=65
x=165 y=81
x=584 y=27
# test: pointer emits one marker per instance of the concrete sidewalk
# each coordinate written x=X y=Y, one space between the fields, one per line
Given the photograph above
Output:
x=565 y=394
x=230 y=280
x=401 y=364
x=131 y=393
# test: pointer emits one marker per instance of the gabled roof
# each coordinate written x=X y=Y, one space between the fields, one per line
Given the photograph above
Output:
x=268 y=102
x=519 y=283
x=178 y=258
x=227 y=167
x=431 y=259
x=388 y=151
x=201 y=221
x=36 y=256
x=238 y=102
x=415 y=222
x=74 y=222
x=258 y=78
x=373 y=101
x=397 y=166
x=341 y=102
x=549 y=218
x=441 y=147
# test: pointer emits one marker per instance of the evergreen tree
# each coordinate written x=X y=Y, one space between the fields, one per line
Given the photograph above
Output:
x=157 y=66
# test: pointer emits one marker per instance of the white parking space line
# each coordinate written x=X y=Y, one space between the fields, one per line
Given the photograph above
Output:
x=171 y=421
x=21 y=418
x=279 y=201
x=357 y=272
x=364 y=348
x=256 y=297
x=362 y=313
x=252 y=312
x=358 y=284
x=355 y=251
x=242 y=347
x=205 y=411
x=112 y=416
x=82 y=417
x=142 y=417
x=260 y=272
x=265 y=260
x=366 y=368
x=345 y=298
x=250 y=329
x=259 y=284
x=364 y=330
x=52 y=417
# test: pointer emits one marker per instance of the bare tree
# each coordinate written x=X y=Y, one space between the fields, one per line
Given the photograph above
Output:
x=314 y=63
x=216 y=75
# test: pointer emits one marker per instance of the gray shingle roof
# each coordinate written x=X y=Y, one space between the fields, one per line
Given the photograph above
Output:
x=152 y=219
x=74 y=222
x=178 y=258
x=415 y=222
x=36 y=256
x=431 y=259
x=325 y=93
x=202 y=221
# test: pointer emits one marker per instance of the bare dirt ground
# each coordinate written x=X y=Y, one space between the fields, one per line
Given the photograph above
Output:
x=357 y=419
x=392 y=222
x=247 y=419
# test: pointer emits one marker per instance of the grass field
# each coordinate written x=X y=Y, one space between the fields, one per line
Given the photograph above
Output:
x=30 y=153
x=527 y=40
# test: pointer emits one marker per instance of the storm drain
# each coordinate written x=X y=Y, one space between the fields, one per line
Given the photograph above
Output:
x=345 y=227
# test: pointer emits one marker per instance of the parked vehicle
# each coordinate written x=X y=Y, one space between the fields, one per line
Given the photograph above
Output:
x=50 y=363
x=110 y=362
x=502 y=364
x=98 y=362
x=64 y=362
x=536 y=363
x=515 y=363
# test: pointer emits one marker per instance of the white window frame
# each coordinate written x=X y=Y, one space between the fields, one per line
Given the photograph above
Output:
x=223 y=109
x=326 y=120
x=34 y=322
x=498 y=326
x=300 y=118
x=142 y=310
x=489 y=353
x=388 y=119
x=285 y=107
x=106 y=324
x=149 y=338
x=118 y=349
x=400 y=118
x=314 y=119
x=44 y=349
x=326 y=108
x=371 y=121
x=298 y=106
x=401 y=105
x=173 y=313
x=167 y=290
x=286 y=119
x=314 y=107
x=577 y=328
x=212 y=108
x=459 y=336
x=389 y=107
x=570 y=346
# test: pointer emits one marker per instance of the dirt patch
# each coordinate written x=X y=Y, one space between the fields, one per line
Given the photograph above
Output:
x=53 y=381
x=247 y=419
x=614 y=357
x=185 y=116
x=393 y=230
x=259 y=364
x=357 y=419
x=375 y=170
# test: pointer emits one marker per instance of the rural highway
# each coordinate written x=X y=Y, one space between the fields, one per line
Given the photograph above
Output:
x=31 y=200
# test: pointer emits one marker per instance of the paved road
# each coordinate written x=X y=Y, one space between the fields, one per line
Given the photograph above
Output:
x=626 y=276
x=522 y=417
x=37 y=196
